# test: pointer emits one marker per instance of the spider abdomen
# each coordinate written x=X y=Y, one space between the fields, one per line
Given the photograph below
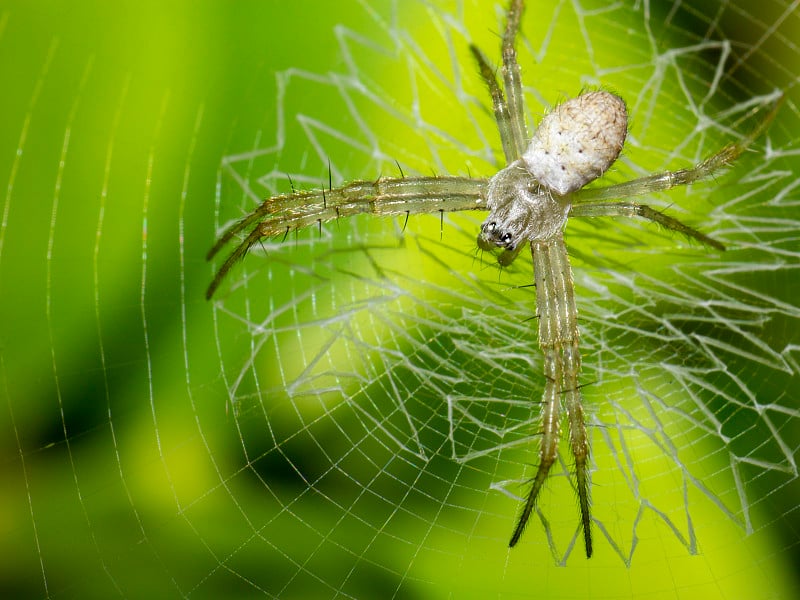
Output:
x=577 y=141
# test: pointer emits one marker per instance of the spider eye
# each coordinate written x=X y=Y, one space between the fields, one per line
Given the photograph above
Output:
x=486 y=239
x=508 y=241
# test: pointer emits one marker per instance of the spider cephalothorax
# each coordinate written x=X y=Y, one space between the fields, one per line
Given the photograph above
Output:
x=520 y=210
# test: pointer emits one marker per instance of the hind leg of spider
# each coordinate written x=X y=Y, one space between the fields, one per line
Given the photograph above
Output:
x=509 y=108
x=512 y=80
x=501 y=114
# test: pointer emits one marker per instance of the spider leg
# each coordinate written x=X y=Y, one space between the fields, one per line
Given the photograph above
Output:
x=238 y=227
x=238 y=252
x=632 y=209
x=558 y=338
x=512 y=80
x=578 y=440
x=509 y=113
x=383 y=197
x=548 y=452
x=659 y=182
x=501 y=114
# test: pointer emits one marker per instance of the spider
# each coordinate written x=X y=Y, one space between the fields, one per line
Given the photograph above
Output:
x=529 y=202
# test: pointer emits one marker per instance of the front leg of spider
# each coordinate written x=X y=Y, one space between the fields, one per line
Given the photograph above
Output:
x=529 y=202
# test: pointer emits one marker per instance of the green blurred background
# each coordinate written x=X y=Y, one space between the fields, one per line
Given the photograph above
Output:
x=125 y=470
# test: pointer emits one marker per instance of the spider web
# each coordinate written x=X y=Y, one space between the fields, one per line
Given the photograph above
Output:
x=356 y=413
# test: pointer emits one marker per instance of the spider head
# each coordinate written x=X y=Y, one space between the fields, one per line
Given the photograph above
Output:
x=492 y=235
x=520 y=211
